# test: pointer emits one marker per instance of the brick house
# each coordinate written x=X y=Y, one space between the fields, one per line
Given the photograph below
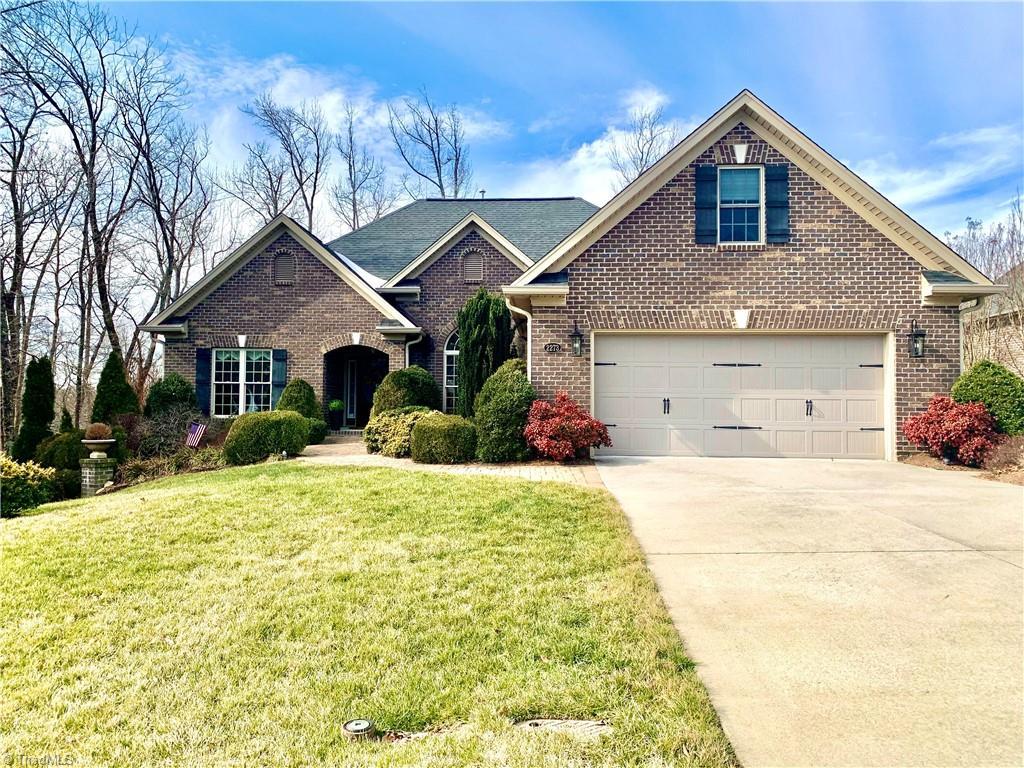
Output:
x=747 y=295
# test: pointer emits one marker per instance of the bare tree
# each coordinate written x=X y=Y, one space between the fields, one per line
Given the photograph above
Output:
x=363 y=193
x=262 y=185
x=432 y=142
x=995 y=330
x=305 y=142
x=72 y=56
x=173 y=192
x=648 y=136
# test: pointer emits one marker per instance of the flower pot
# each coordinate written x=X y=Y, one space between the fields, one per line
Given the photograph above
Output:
x=336 y=419
x=98 y=448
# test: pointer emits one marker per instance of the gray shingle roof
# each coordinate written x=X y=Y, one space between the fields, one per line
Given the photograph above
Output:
x=534 y=225
x=938 y=277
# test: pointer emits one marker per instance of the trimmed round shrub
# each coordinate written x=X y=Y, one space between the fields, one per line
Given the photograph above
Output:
x=501 y=411
x=405 y=387
x=62 y=451
x=963 y=432
x=1000 y=390
x=390 y=433
x=564 y=429
x=114 y=395
x=25 y=486
x=317 y=431
x=255 y=436
x=442 y=438
x=172 y=391
x=299 y=396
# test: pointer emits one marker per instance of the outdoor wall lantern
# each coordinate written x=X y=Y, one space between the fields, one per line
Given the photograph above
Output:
x=577 y=340
x=915 y=340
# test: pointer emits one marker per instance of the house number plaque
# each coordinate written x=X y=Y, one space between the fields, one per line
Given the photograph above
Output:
x=553 y=346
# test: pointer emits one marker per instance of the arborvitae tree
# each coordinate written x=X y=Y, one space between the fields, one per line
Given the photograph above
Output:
x=485 y=342
x=36 y=409
x=67 y=424
x=114 y=394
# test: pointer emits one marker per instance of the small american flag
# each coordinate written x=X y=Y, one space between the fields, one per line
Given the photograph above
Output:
x=195 y=434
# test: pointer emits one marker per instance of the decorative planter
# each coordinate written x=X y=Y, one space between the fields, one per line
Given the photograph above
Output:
x=337 y=419
x=98 y=448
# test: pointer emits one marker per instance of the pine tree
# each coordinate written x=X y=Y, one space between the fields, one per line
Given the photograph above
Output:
x=36 y=409
x=67 y=424
x=485 y=342
x=114 y=395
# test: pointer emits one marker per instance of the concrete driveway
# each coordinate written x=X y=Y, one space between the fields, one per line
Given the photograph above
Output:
x=841 y=612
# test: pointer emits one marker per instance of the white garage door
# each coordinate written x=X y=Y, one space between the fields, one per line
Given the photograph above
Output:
x=750 y=395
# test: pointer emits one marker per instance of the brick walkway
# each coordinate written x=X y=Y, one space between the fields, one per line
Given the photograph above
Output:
x=353 y=454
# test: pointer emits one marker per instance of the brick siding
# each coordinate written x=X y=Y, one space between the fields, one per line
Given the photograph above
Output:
x=443 y=292
x=318 y=312
x=836 y=272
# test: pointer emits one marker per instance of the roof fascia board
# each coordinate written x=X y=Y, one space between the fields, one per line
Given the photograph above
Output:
x=891 y=221
x=535 y=290
x=639 y=190
x=241 y=255
x=747 y=108
x=449 y=238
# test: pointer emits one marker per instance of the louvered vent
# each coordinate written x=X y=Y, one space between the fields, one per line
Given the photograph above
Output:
x=473 y=267
x=284 y=269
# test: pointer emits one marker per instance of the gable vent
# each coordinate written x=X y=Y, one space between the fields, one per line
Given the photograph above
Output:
x=284 y=268
x=473 y=267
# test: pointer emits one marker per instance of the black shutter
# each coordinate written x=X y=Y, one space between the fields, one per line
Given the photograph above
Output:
x=706 y=204
x=776 y=203
x=204 y=370
x=278 y=375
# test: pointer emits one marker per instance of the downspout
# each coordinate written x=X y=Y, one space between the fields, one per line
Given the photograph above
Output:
x=529 y=333
x=417 y=340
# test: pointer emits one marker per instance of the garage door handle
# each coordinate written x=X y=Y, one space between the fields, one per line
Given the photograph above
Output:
x=736 y=365
x=871 y=365
x=872 y=429
x=605 y=364
x=732 y=426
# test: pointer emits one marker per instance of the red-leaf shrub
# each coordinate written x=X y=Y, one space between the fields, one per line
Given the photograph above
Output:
x=563 y=429
x=950 y=430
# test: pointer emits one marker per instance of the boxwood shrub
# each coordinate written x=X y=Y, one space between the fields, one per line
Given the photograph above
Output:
x=405 y=387
x=299 y=396
x=389 y=433
x=441 y=438
x=172 y=391
x=317 y=431
x=999 y=389
x=501 y=410
x=62 y=452
x=25 y=486
x=255 y=436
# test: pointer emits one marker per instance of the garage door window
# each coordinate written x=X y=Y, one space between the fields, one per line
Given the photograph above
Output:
x=739 y=205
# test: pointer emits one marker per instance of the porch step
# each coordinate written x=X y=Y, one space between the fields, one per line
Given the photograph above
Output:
x=345 y=435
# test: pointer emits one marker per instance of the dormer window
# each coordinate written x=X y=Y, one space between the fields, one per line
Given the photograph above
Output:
x=740 y=204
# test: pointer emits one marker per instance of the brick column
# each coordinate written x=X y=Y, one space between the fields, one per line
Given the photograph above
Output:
x=96 y=473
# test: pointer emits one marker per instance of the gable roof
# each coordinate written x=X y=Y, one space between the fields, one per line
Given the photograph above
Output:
x=532 y=225
x=745 y=107
x=472 y=223
x=241 y=255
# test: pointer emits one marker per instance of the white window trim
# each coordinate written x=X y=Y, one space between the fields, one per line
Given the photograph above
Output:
x=241 y=379
x=449 y=353
x=761 y=206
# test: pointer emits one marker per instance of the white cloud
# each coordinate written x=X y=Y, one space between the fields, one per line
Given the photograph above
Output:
x=942 y=193
x=587 y=171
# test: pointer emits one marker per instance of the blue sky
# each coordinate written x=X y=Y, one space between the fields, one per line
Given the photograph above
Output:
x=926 y=101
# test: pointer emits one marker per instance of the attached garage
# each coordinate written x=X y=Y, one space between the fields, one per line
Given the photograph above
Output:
x=787 y=395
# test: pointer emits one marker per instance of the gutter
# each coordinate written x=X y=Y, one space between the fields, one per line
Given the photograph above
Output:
x=529 y=334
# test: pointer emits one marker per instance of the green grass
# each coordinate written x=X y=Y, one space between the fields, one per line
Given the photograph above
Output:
x=239 y=617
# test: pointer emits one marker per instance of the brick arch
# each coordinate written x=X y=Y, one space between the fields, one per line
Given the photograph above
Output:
x=372 y=340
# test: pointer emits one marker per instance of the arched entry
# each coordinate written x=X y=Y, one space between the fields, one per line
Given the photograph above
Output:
x=351 y=374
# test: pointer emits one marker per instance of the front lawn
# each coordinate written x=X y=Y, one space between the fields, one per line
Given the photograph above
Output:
x=240 y=617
